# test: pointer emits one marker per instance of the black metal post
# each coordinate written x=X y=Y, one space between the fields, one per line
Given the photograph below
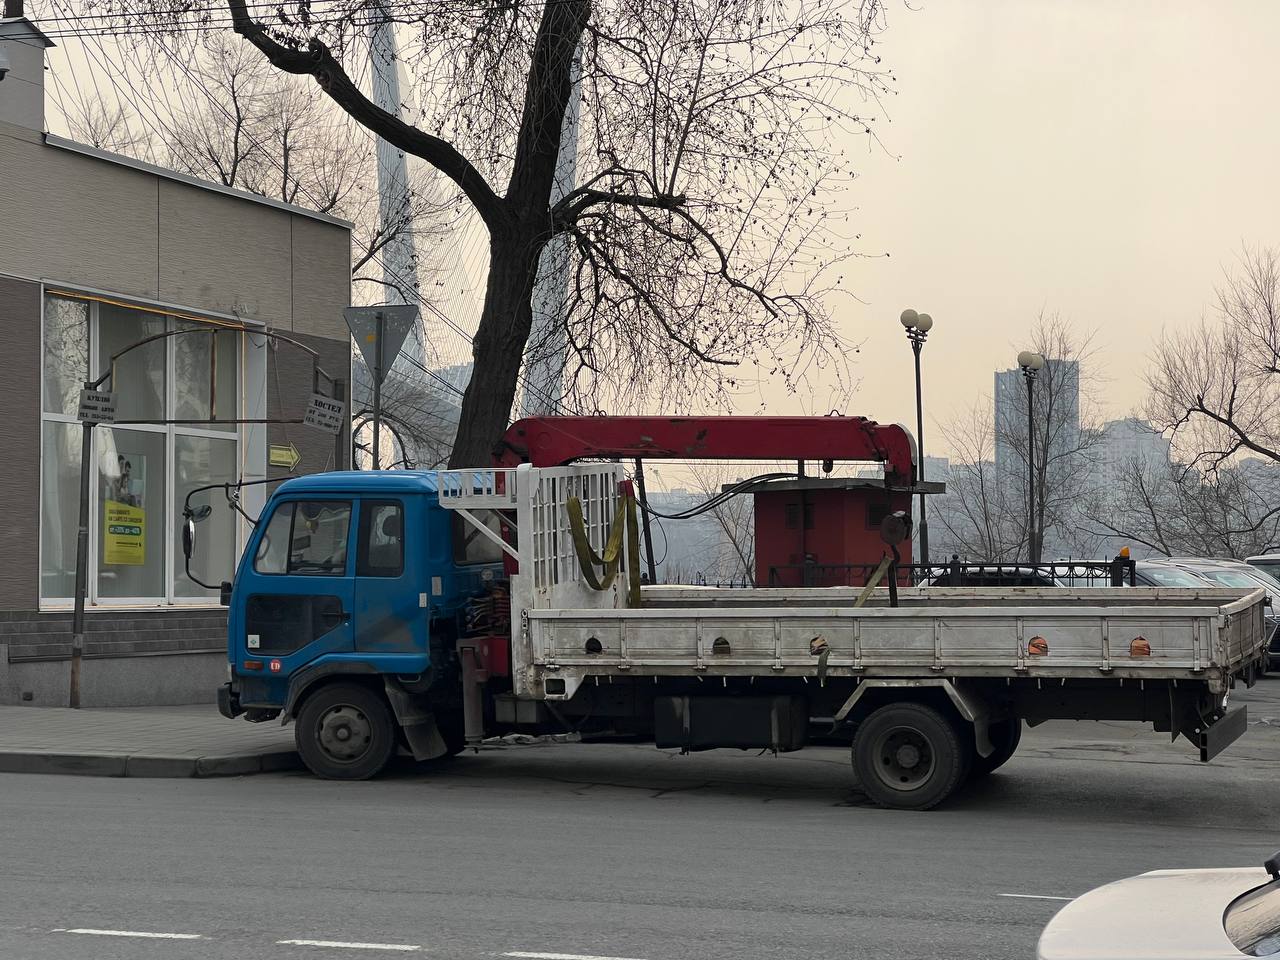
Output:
x=1032 y=546
x=917 y=342
x=82 y=563
x=644 y=520
x=377 y=388
x=341 y=442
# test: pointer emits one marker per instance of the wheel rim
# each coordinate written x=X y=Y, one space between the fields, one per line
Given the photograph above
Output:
x=344 y=733
x=904 y=758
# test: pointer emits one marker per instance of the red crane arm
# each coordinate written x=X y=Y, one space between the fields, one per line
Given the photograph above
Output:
x=555 y=441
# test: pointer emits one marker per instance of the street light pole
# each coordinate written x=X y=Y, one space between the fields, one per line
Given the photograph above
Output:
x=918 y=326
x=1031 y=364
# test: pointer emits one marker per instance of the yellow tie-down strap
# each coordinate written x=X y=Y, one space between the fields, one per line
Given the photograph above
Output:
x=610 y=562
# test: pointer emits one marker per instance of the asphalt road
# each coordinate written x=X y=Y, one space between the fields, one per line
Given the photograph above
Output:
x=617 y=851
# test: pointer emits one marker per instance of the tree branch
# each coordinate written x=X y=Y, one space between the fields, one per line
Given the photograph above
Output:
x=318 y=62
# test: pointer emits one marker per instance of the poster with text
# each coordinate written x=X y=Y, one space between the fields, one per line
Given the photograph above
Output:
x=124 y=518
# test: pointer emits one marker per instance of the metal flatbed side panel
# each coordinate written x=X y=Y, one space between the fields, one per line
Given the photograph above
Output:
x=1188 y=642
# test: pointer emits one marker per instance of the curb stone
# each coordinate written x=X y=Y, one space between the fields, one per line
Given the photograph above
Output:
x=142 y=766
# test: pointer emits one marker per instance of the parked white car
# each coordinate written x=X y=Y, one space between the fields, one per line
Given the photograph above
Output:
x=1171 y=915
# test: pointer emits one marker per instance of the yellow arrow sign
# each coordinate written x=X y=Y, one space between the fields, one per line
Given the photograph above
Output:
x=284 y=455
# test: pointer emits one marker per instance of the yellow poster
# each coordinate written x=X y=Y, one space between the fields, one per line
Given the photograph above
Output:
x=124 y=531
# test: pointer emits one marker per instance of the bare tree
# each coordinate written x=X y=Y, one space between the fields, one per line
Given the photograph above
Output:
x=1175 y=510
x=976 y=518
x=732 y=550
x=1216 y=386
x=984 y=514
x=105 y=126
x=420 y=421
x=1066 y=437
x=698 y=230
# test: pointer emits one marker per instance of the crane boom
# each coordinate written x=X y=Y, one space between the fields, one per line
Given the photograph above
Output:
x=557 y=441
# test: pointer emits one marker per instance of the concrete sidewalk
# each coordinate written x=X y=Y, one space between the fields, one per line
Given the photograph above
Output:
x=186 y=741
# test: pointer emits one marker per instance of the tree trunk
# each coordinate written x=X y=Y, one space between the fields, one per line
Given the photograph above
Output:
x=498 y=347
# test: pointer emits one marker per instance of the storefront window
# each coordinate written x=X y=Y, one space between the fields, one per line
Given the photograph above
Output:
x=59 y=508
x=205 y=375
x=139 y=375
x=142 y=472
x=199 y=461
x=66 y=353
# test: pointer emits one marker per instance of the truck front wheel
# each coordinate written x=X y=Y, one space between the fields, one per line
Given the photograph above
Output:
x=345 y=732
x=909 y=756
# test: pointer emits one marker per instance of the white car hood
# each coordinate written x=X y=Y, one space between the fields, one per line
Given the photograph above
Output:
x=1162 y=915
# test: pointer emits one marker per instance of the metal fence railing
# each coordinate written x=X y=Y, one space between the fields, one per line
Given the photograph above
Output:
x=1119 y=571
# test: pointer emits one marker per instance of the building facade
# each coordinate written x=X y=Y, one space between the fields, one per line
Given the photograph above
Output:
x=1128 y=444
x=1057 y=413
x=214 y=314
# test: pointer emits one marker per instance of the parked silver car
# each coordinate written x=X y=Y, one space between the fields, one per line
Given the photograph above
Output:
x=1266 y=562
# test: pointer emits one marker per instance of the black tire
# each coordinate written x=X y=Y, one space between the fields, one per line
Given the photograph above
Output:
x=1005 y=737
x=909 y=756
x=345 y=732
x=452 y=729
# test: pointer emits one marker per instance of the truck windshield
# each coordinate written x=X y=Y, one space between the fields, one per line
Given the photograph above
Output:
x=306 y=537
x=1253 y=921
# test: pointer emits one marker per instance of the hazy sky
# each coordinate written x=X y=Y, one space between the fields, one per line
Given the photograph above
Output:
x=1101 y=159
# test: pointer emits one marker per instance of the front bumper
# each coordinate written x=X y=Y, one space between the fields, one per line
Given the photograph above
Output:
x=229 y=702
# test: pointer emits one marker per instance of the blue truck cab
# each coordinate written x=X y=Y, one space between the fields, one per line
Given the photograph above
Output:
x=344 y=616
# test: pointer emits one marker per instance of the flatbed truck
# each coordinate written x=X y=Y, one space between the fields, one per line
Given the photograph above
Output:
x=422 y=612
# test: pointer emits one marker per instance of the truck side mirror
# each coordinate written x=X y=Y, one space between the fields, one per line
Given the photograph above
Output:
x=224 y=593
x=189 y=527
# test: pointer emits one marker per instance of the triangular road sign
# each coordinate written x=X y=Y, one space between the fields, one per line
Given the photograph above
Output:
x=397 y=321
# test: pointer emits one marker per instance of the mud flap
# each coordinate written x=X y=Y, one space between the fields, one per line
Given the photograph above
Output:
x=1217 y=736
x=413 y=713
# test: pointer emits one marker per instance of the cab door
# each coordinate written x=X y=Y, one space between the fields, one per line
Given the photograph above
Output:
x=392 y=613
x=298 y=588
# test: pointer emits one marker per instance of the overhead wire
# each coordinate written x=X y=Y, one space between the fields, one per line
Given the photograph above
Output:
x=741 y=487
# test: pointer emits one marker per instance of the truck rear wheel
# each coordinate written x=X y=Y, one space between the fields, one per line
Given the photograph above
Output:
x=1005 y=737
x=345 y=732
x=909 y=756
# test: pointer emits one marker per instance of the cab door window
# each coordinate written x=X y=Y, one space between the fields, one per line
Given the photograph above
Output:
x=381 y=543
x=306 y=537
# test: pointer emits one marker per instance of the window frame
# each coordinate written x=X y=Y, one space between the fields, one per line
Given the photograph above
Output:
x=167 y=500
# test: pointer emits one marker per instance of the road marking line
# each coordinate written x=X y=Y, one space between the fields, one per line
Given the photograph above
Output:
x=559 y=956
x=131 y=933
x=1032 y=896
x=404 y=947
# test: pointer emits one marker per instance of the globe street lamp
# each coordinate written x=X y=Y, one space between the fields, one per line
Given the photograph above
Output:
x=1031 y=364
x=918 y=326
